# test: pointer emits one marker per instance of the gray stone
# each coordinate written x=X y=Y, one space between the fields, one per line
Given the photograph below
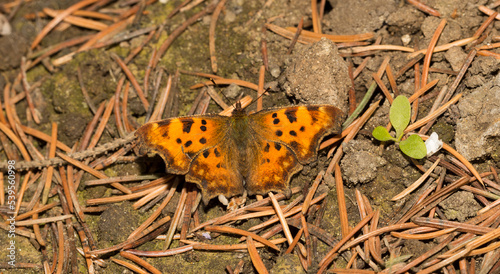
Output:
x=360 y=162
x=478 y=129
x=460 y=206
x=317 y=74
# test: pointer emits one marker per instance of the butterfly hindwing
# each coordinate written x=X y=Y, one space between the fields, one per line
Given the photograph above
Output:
x=273 y=168
x=216 y=172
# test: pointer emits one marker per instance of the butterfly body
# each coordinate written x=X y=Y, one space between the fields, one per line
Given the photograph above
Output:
x=257 y=152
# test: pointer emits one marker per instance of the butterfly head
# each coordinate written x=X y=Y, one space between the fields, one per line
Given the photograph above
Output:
x=238 y=109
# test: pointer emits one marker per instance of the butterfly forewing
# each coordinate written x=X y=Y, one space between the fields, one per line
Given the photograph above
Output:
x=200 y=148
x=179 y=140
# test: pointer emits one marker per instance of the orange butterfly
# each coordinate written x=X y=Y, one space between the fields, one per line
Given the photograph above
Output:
x=257 y=152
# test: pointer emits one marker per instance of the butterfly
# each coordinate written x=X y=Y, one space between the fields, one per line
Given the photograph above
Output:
x=258 y=152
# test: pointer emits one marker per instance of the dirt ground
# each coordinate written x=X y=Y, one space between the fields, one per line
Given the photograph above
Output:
x=310 y=73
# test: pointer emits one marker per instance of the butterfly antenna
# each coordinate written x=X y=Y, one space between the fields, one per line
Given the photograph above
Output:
x=256 y=99
x=223 y=95
x=235 y=105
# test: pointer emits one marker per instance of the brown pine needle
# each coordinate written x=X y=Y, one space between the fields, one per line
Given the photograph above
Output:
x=92 y=171
x=132 y=80
x=232 y=230
x=260 y=90
x=315 y=17
x=50 y=169
x=421 y=6
x=130 y=266
x=417 y=183
x=43 y=220
x=227 y=82
x=445 y=224
x=282 y=219
x=382 y=86
x=211 y=34
x=139 y=261
x=13 y=137
x=381 y=47
x=430 y=49
x=295 y=241
x=433 y=115
x=331 y=254
x=162 y=253
x=52 y=24
x=333 y=38
x=444 y=47
x=77 y=21
x=426 y=236
x=312 y=191
x=156 y=213
x=254 y=256
x=311 y=37
x=422 y=90
x=344 y=222
x=488 y=11
x=204 y=246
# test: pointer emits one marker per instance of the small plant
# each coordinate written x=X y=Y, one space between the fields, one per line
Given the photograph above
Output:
x=399 y=115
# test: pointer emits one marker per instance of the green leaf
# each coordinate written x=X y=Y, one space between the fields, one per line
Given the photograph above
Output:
x=399 y=115
x=380 y=133
x=414 y=147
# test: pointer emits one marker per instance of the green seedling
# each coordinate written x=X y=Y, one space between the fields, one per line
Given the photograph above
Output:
x=399 y=115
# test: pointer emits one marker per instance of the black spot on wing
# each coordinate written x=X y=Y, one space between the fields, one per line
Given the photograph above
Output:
x=187 y=123
x=276 y=121
x=178 y=140
x=291 y=115
x=266 y=148
x=279 y=133
x=302 y=128
x=275 y=115
x=216 y=152
x=277 y=146
x=188 y=143
x=293 y=133
x=203 y=141
x=163 y=123
x=203 y=128
x=206 y=153
x=203 y=122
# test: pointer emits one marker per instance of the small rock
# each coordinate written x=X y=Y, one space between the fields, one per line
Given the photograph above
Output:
x=460 y=206
x=5 y=28
x=360 y=163
x=406 y=39
x=456 y=57
x=478 y=129
x=318 y=74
